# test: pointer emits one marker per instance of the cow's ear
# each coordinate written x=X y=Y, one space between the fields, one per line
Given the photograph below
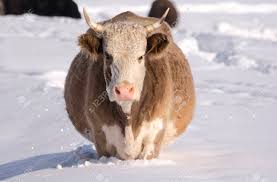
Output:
x=90 y=44
x=156 y=43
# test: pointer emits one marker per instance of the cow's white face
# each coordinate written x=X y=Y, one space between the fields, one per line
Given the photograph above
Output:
x=124 y=47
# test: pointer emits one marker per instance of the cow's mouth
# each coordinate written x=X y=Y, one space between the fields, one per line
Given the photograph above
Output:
x=125 y=106
x=123 y=115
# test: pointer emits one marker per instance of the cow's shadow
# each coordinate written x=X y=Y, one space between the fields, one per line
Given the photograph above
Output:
x=47 y=161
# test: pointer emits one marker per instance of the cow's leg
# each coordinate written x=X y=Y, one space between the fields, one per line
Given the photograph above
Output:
x=152 y=146
x=147 y=151
x=152 y=140
x=101 y=145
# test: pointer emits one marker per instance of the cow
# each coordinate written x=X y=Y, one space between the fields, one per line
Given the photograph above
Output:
x=160 y=6
x=130 y=89
x=66 y=8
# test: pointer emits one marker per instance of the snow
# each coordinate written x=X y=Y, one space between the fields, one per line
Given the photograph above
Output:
x=229 y=8
x=54 y=79
x=260 y=33
x=191 y=7
x=232 y=53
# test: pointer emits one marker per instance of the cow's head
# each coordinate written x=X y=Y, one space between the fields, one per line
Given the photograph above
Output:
x=124 y=47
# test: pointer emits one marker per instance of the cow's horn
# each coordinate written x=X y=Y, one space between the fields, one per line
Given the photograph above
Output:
x=94 y=26
x=154 y=26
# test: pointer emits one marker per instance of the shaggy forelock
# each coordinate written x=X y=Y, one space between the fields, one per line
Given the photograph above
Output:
x=125 y=37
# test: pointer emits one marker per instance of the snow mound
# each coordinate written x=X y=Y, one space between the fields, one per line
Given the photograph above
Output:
x=235 y=59
x=235 y=52
x=258 y=33
x=230 y=58
x=34 y=26
x=189 y=45
x=54 y=79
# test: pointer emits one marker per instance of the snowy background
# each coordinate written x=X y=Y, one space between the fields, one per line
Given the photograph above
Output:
x=232 y=50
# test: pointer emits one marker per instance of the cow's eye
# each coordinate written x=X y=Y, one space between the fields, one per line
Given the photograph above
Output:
x=140 y=59
x=108 y=56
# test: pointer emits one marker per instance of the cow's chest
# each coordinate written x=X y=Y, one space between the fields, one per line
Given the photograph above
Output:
x=129 y=147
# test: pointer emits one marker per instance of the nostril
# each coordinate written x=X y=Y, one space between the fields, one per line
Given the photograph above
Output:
x=117 y=91
x=131 y=90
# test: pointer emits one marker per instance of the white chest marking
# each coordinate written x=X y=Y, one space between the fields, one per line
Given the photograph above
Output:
x=129 y=147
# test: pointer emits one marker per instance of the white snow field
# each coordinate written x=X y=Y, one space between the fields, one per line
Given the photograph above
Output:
x=232 y=50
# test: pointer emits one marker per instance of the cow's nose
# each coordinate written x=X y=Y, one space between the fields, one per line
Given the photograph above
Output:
x=124 y=92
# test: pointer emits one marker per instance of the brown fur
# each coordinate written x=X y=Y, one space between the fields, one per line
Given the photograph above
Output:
x=160 y=6
x=2 y=8
x=168 y=75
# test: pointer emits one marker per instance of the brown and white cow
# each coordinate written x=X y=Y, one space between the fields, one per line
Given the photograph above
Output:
x=130 y=89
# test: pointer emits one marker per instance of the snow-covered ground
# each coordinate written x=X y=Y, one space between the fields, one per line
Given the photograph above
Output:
x=232 y=49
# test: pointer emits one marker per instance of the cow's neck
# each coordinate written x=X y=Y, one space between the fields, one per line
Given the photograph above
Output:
x=155 y=98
